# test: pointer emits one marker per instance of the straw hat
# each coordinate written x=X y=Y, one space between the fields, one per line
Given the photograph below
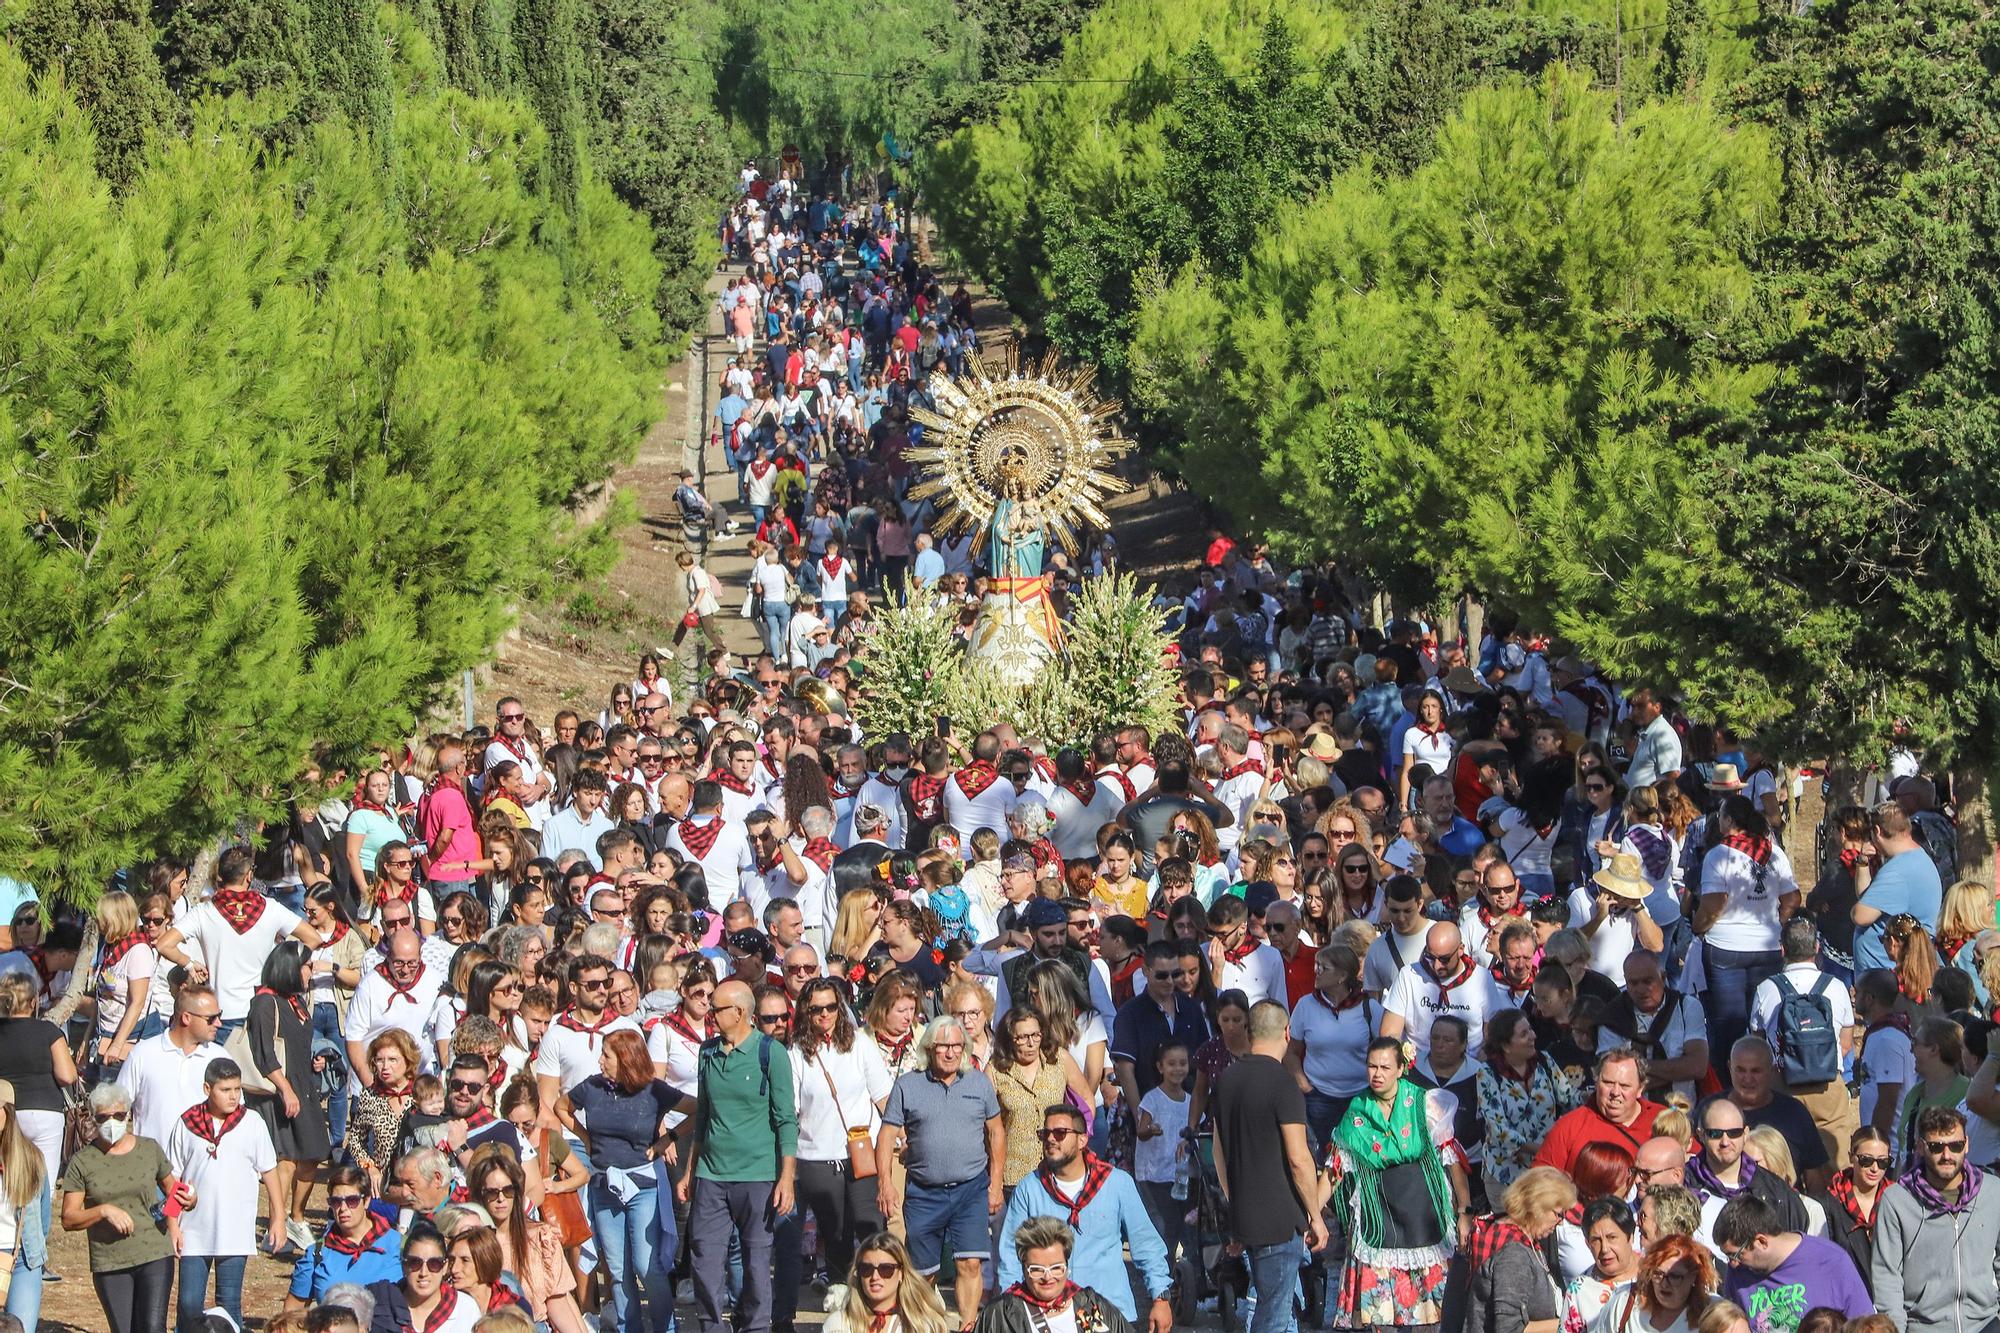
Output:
x=1324 y=748
x=1622 y=877
x=1725 y=779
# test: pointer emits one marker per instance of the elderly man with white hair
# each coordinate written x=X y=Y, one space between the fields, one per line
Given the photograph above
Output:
x=945 y=1119
x=1030 y=822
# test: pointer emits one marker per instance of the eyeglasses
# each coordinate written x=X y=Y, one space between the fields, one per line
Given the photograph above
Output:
x=650 y=711
x=346 y=1200
x=1047 y=1270
x=1735 y=1133
x=1938 y=1146
x=395 y=963
x=874 y=1270
x=947 y=1045
x=969 y=1015
x=103 y=1116
x=817 y=1009
x=1879 y=1163
x=1054 y=1133
x=1434 y=960
x=428 y=1263
x=1358 y=868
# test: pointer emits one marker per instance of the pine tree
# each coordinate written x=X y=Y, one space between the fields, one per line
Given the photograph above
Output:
x=546 y=34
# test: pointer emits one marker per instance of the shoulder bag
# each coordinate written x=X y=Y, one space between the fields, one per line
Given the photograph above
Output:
x=860 y=1144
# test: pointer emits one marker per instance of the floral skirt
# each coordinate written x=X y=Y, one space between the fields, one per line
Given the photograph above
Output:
x=1400 y=1282
x=1390 y=1296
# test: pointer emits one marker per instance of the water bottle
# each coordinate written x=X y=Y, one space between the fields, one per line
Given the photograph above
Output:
x=1180 y=1189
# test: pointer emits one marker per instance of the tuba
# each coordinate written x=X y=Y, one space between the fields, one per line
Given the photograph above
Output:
x=819 y=696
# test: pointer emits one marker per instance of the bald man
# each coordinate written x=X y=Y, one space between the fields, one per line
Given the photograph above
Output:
x=744 y=1149
x=1660 y=1161
x=1443 y=980
x=397 y=994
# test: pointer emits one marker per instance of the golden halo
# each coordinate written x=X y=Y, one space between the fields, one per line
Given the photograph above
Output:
x=1042 y=436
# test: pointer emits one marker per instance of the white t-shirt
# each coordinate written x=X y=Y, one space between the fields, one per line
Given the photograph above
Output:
x=1077 y=823
x=1525 y=847
x=1613 y=940
x=114 y=983
x=573 y=1056
x=1389 y=955
x=236 y=962
x=677 y=1055
x=1418 y=1000
x=1804 y=976
x=728 y=861
x=1238 y=794
x=223 y=1220
x=860 y=1079
x=1433 y=752
x=1153 y=1159
x=1885 y=1058
x=1336 y=1043
x=377 y=1006
x=1749 y=921
x=969 y=814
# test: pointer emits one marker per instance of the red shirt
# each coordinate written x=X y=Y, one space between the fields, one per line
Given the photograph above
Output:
x=1298 y=975
x=1585 y=1125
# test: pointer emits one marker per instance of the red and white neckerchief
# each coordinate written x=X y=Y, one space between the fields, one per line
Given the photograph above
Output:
x=728 y=781
x=396 y=988
x=119 y=947
x=632 y=775
x=1243 y=950
x=834 y=566
x=760 y=468
x=765 y=865
x=385 y=1090
x=378 y=1226
x=1353 y=1000
x=771 y=769
x=591 y=1031
x=821 y=851
x=1124 y=783
x=1238 y=770
x=678 y=1021
x=1044 y=767
x=391 y=892
x=518 y=749
x=924 y=793
x=843 y=792
x=975 y=778
x=202 y=1123
x=239 y=908
x=1096 y=1173
x=1084 y=789
x=1445 y=988
x=339 y=934
x=700 y=838
x=895 y=1048
x=1432 y=732
x=1517 y=996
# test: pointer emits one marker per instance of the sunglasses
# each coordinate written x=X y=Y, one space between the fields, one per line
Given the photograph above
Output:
x=155 y=920
x=1169 y=976
x=1735 y=1133
x=874 y=1270
x=346 y=1200
x=1953 y=1146
x=599 y=983
x=475 y=1088
x=817 y=1009
x=652 y=759
x=1053 y=1134
x=429 y=1263
x=803 y=969
x=497 y=1192
x=539 y=881
x=765 y=1020
x=1879 y=1163
x=401 y=863
x=516 y=717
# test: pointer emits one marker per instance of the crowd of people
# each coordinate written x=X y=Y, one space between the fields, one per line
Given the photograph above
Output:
x=1413 y=980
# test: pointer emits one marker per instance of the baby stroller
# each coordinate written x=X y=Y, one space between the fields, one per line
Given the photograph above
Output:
x=1218 y=1271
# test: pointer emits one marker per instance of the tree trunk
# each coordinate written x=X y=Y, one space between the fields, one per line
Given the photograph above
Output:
x=1807 y=830
x=1975 y=825
x=1473 y=613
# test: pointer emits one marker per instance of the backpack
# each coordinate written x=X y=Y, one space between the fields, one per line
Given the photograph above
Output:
x=1808 y=1046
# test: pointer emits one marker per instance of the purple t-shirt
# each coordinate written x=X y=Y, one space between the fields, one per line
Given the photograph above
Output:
x=1817 y=1273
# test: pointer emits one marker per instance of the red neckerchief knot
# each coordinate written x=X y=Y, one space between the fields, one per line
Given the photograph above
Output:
x=1238 y=770
x=1096 y=1171
x=201 y=1123
x=378 y=1226
x=397 y=988
x=591 y=1031
x=1069 y=1291
x=240 y=908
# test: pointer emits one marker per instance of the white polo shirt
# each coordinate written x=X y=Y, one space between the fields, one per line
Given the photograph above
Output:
x=378 y=1006
x=162 y=1081
x=1260 y=975
x=969 y=814
x=235 y=962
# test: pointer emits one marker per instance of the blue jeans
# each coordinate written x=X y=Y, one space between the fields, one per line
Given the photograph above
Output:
x=24 y=1298
x=1733 y=977
x=1274 y=1276
x=635 y=1243
x=326 y=1023
x=1323 y=1112
x=777 y=624
x=193 y=1294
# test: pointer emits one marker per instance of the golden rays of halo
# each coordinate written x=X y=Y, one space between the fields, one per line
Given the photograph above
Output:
x=1045 y=419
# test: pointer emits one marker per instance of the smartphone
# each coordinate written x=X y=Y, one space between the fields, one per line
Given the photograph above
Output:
x=944 y=727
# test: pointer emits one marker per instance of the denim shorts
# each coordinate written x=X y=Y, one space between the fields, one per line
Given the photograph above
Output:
x=937 y=1216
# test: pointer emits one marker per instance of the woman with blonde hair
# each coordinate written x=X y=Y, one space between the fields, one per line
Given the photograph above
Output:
x=1511 y=1289
x=1967 y=911
x=25 y=1201
x=972 y=1005
x=125 y=964
x=884 y=1293
x=1765 y=1145
x=856 y=925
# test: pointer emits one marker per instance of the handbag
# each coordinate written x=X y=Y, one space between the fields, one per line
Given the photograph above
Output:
x=860 y=1143
x=79 y=1121
x=237 y=1048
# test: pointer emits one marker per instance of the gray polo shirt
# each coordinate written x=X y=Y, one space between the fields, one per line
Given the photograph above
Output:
x=944 y=1125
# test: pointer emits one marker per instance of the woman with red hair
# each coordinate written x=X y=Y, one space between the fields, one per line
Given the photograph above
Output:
x=1675 y=1282
x=1601 y=1171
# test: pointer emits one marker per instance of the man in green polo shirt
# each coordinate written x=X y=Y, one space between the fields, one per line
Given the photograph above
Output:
x=745 y=1146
